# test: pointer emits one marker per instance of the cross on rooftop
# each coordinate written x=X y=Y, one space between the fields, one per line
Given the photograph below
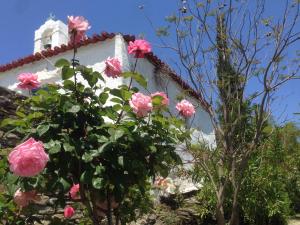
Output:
x=51 y=16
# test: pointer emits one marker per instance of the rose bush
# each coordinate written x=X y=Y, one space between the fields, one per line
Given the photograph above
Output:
x=97 y=145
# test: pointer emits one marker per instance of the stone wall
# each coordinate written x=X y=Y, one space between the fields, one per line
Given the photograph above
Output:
x=8 y=105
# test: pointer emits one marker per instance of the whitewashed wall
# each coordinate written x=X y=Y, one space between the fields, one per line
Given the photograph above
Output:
x=94 y=55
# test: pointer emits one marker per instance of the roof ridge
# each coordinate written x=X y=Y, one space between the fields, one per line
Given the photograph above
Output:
x=157 y=62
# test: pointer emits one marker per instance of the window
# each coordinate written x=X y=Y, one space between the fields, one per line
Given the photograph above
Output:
x=47 y=39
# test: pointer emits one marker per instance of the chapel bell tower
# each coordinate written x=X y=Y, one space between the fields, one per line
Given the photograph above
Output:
x=52 y=33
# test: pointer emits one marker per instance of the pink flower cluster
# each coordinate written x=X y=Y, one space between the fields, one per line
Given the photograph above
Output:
x=139 y=48
x=141 y=104
x=23 y=199
x=113 y=67
x=28 y=81
x=77 y=26
x=185 y=108
x=28 y=159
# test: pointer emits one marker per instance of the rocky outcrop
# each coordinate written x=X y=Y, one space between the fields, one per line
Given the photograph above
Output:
x=8 y=105
x=176 y=210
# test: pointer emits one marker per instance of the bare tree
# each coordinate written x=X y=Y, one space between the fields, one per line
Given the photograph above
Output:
x=223 y=49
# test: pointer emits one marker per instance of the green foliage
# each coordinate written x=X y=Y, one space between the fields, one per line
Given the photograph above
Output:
x=162 y=31
x=266 y=185
x=270 y=190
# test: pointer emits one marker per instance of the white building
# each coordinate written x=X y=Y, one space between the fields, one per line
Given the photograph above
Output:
x=51 y=44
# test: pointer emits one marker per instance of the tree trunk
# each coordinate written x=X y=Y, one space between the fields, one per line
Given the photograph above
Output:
x=234 y=218
x=220 y=215
x=219 y=209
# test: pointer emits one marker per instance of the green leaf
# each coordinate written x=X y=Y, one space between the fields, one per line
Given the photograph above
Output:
x=99 y=170
x=98 y=75
x=74 y=109
x=117 y=107
x=66 y=185
x=188 y=18
x=126 y=95
x=68 y=147
x=121 y=160
x=87 y=157
x=97 y=183
x=86 y=177
x=53 y=146
x=9 y=121
x=69 y=84
x=116 y=100
x=115 y=134
x=116 y=92
x=137 y=77
x=152 y=148
x=103 y=97
x=42 y=129
x=92 y=79
x=101 y=149
x=102 y=139
x=67 y=72
x=62 y=62
x=157 y=100
x=20 y=114
x=109 y=112
x=34 y=115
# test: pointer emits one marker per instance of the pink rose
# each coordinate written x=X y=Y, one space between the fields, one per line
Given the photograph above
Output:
x=74 y=191
x=141 y=104
x=28 y=81
x=185 y=108
x=113 y=67
x=69 y=211
x=77 y=26
x=28 y=159
x=78 y=23
x=22 y=199
x=139 y=48
x=164 y=101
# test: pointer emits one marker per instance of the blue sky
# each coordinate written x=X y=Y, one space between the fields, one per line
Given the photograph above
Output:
x=20 y=18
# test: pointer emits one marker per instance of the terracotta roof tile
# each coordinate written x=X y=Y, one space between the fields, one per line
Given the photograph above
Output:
x=102 y=37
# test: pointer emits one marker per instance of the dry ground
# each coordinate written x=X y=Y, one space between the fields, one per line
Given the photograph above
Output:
x=295 y=221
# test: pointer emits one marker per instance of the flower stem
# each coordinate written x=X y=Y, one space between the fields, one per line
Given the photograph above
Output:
x=74 y=63
x=129 y=87
x=109 y=216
